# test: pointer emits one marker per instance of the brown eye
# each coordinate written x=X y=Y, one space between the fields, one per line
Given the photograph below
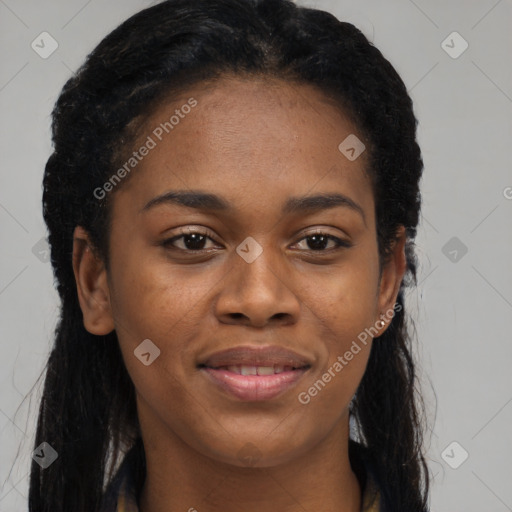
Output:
x=318 y=242
x=190 y=240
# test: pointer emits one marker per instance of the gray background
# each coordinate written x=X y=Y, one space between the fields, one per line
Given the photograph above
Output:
x=463 y=304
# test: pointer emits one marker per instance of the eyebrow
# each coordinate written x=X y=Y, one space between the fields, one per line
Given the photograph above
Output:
x=205 y=201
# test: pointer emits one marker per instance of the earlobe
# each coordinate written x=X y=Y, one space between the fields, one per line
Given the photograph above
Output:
x=391 y=279
x=92 y=286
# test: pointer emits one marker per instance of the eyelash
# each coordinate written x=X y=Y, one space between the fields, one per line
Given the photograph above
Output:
x=341 y=244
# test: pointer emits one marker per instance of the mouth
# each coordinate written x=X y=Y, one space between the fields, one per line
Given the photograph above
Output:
x=259 y=357
x=255 y=374
x=254 y=383
x=255 y=370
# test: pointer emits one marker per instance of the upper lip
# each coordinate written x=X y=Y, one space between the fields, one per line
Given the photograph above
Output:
x=256 y=356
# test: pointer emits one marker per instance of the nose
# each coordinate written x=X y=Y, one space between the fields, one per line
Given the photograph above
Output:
x=257 y=294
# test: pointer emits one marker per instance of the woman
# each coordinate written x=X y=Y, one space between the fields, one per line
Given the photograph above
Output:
x=232 y=203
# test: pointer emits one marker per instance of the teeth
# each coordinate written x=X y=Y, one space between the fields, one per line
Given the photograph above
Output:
x=258 y=370
x=265 y=370
x=248 y=370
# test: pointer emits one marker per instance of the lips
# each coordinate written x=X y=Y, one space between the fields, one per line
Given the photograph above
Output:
x=253 y=388
x=255 y=374
x=273 y=356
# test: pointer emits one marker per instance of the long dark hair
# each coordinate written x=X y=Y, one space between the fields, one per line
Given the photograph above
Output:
x=87 y=412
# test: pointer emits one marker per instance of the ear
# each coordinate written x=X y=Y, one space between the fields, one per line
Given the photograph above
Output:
x=92 y=287
x=391 y=277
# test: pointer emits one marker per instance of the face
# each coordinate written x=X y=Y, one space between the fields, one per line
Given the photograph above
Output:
x=294 y=283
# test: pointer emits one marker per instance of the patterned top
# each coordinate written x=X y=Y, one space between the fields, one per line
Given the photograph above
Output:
x=121 y=496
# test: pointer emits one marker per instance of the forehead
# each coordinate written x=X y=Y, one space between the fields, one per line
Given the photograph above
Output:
x=253 y=139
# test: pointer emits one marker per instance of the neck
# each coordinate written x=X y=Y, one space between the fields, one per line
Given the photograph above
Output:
x=180 y=478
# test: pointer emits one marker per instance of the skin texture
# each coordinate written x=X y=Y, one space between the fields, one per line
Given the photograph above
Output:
x=256 y=142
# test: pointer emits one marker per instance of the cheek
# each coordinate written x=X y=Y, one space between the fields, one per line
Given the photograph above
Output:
x=152 y=299
x=344 y=306
x=330 y=392
x=151 y=304
x=344 y=300
x=343 y=314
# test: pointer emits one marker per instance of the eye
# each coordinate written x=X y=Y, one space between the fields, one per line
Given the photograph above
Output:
x=191 y=240
x=195 y=240
x=318 y=242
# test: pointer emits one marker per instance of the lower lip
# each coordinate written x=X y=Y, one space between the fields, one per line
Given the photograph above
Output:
x=255 y=388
